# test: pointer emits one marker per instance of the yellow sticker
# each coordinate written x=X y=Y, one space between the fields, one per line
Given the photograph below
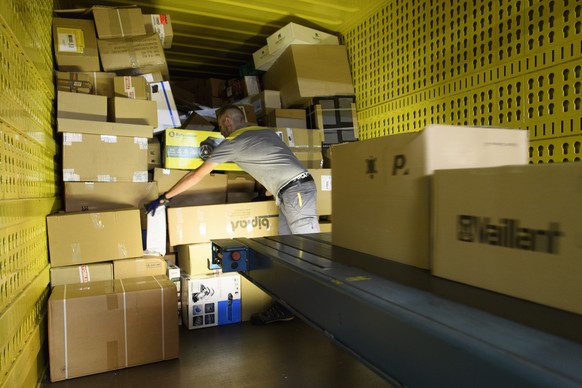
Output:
x=70 y=40
x=357 y=278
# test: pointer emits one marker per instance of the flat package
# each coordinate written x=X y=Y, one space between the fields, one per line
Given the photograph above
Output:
x=138 y=267
x=95 y=196
x=168 y=116
x=109 y=325
x=92 y=237
x=118 y=22
x=491 y=231
x=81 y=273
x=89 y=82
x=381 y=195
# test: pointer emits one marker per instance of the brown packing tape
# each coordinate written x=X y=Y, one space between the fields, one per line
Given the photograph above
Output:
x=112 y=352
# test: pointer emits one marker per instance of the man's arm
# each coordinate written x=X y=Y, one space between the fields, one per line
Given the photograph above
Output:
x=191 y=179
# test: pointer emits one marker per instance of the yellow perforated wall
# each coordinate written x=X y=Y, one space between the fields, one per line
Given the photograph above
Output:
x=514 y=64
x=28 y=188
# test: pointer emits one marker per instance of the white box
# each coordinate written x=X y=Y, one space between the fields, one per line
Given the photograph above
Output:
x=168 y=116
x=263 y=59
x=381 y=194
x=294 y=33
x=211 y=300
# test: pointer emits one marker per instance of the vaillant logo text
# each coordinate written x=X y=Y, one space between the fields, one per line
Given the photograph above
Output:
x=508 y=233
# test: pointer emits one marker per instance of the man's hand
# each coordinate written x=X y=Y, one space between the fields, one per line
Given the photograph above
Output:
x=153 y=205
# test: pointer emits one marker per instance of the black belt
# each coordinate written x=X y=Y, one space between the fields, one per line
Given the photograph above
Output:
x=293 y=182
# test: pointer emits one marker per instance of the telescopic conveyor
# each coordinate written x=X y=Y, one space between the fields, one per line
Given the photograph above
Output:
x=414 y=329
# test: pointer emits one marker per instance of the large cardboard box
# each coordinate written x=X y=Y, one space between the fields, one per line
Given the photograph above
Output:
x=211 y=300
x=132 y=56
x=79 y=106
x=380 y=197
x=160 y=24
x=183 y=149
x=168 y=116
x=118 y=22
x=104 y=158
x=132 y=111
x=305 y=144
x=90 y=82
x=200 y=224
x=322 y=178
x=514 y=229
x=75 y=45
x=304 y=71
x=92 y=237
x=265 y=102
x=95 y=196
x=131 y=87
x=139 y=266
x=294 y=33
x=108 y=325
x=211 y=190
x=81 y=273
x=193 y=258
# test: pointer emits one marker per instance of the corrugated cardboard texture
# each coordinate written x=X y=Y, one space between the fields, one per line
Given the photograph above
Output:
x=75 y=45
x=109 y=325
x=81 y=238
x=118 y=22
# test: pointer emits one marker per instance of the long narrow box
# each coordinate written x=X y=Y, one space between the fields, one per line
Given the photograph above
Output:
x=91 y=237
x=81 y=273
x=491 y=231
x=108 y=325
x=200 y=224
x=95 y=196
x=381 y=194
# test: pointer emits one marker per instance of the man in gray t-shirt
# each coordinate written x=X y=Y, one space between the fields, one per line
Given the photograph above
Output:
x=260 y=152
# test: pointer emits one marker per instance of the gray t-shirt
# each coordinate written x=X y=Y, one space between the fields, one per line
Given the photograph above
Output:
x=261 y=153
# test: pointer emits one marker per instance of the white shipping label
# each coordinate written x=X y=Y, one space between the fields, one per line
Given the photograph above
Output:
x=142 y=142
x=84 y=274
x=69 y=175
x=326 y=183
x=70 y=138
x=109 y=139
x=140 y=176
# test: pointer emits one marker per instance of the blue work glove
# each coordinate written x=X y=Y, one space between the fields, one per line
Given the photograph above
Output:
x=153 y=205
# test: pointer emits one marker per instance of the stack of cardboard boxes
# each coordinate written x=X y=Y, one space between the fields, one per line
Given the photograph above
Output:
x=101 y=280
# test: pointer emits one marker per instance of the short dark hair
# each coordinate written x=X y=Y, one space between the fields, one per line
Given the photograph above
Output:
x=232 y=111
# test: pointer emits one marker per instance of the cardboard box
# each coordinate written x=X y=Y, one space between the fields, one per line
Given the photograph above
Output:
x=263 y=59
x=240 y=187
x=168 y=116
x=78 y=106
x=491 y=232
x=75 y=45
x=304 y=71
x=200 y=224
x=197 y=122
x=322 y=178
x=305 y=144
x=253 y=299
x=118 y=22
x=132 y=56
x=380 y=197
x=286 y=118
x=92 y=237
x=104 y=158
x=81 y=273
x=96 y=196
x=183 y=148
x=154 y=153
x=193 y=258
x=130 y=111
x=104 y=128
x=211 y=190
x=265 y=102
x=160 y=24
x=211 y=300
x=109 y=325
x=138 y=267
x=294 y=33
x=131 y=87
x=91 y=82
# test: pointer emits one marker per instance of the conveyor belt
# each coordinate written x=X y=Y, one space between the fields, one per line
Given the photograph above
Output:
x=413 y=328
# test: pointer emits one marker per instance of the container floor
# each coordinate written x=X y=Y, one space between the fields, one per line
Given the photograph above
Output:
x=288 y=354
